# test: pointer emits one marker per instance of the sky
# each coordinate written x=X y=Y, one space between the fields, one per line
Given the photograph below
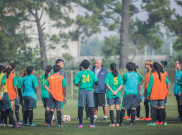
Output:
x=141 y=15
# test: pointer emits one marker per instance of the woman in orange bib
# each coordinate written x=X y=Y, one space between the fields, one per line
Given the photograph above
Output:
x=12 y=85
x=148 y=67
x=156 y=93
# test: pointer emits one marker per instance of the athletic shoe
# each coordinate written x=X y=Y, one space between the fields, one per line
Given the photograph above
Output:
x=46 y=124
x=16 y=126
x=151 y=124
x=137 y=119
x=112 y=125
x=2 y=125
x=52 y=123
x=95 y=119
x=121 y=124
x=148 y=119
x=144 y=118
x=33 y=125
x=59 y=125
x=49 y=125
x=27 y=124
x=104 y=119
x=10 y=125
x=165 y=123
x=92 y=126
x=117 y=125
x=125 y=118
x=87 y=118
x=19 y=123
x=178 y=118
x=131 y=123
x=80 y=126
x=159 y=123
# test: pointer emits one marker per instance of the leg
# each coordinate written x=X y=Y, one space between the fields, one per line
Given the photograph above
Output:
x=118 y=113
x=128 y=112
x=122 y=116
x=112 y=114
x=30 y=115
x=91 y=115
x=59 y=117
x=17 y=112
x=80 y=114
x=146 y=104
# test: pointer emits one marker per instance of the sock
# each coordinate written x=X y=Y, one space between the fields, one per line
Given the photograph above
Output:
x=30 y=115
x=165 y=115
x=132 y=116
x=112 y=116
x=95 y=116
x=138 y=111
x=17 y=113
x=87 y=111
x=25 y=116
x=153 y=114
x=118 y=116
x=47 y=116
x=146 y=109
x=50 y=116
x=0 y=116
x=129 y=112
x=11 y=118
x=122 y=115
x=53 y=117
x=3 y=116
x=162 y=114
x=80 y=114
x=91 y=114
x=158 y=115
x=59 y=117
x=180 y=110
x=6 y=116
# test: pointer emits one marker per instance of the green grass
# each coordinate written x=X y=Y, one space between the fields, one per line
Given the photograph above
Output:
x=174 y=127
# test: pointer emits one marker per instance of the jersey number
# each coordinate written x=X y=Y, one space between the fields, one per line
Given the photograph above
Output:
x=86 y=78
x=115 y=81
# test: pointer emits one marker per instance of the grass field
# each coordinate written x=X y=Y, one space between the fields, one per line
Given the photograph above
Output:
x=174 y=127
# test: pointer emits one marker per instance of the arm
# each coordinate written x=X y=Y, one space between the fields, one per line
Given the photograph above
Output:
x=150 y=86
x=64 y=89
x=15 y=83
x=109 y=88
x=2 y=89
x=64 y=93
x=35 y=82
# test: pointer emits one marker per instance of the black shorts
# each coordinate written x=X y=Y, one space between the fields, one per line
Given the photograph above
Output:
x=100 y=99
x=177 y=97
x=5 y=102
x=129 y=101
x=45 y=102
x=29 y=102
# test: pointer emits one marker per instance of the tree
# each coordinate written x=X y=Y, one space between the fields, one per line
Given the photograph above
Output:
x=174 y=24
x=124 y=29
x=11 y=39
x=62 y=20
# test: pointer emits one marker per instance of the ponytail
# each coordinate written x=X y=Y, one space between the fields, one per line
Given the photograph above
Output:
x=47 y=70
x=157 y=68
x=9 y=69
x=114 y=69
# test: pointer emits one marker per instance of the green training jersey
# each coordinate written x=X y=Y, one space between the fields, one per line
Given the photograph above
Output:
x=114 y=83
x=44 y=92
x=85 y=79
